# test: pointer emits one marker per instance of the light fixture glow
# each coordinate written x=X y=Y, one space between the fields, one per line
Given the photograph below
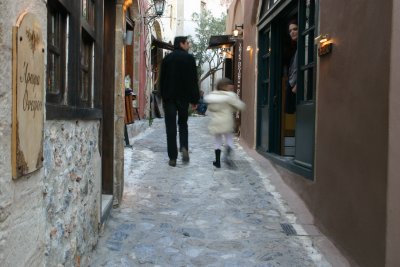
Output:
x=323 y=38
x=236 y=31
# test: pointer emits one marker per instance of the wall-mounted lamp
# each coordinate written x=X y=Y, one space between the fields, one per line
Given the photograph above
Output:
x=225 y=52
x=127 y=3
x=324 y=43
x=323 y=38
x=249 y=48
x=159 y=6
x=236 y=31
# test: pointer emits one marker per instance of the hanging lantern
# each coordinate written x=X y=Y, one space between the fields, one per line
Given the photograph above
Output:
x=159 y=6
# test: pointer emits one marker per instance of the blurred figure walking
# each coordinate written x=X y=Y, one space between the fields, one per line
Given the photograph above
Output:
x=178 y=88
x=222 y=103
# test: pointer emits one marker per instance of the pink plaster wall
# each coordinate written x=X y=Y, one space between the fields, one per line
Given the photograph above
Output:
x=142 y=67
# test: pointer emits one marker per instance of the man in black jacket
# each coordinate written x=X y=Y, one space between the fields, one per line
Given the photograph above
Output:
x=178 y=87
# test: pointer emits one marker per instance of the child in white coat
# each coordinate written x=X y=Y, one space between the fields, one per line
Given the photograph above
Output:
x=222 y=103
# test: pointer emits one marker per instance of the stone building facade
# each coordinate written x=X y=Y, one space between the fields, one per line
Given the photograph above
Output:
x=52 y=216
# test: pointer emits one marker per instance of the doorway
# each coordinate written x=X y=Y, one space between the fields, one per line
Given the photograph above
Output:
x=276 y=126
x=285 y=120
x=107 y=123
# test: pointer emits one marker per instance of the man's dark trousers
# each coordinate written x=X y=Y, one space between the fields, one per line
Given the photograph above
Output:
x=170 y=110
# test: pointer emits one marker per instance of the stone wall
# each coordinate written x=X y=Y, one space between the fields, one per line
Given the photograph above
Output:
x=71 y=190
x=50 y=217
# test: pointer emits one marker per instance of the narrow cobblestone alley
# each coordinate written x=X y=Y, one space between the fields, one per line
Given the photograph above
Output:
x=196 y=215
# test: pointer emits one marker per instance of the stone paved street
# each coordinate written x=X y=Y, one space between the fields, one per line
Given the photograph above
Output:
x=197 y=215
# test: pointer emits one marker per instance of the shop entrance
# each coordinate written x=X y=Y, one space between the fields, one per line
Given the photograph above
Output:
x=276 y=125
x=285 y=117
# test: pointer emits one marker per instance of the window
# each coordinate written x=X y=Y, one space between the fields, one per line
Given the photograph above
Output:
x=265 y=66
x=271 y=3
x=88 y=11
x=86 y=72
x=74 y=44
x=307 y=51
x=56 y=44
x=267 y=6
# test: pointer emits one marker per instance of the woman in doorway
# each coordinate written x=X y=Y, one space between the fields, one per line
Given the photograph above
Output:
x=291 y=88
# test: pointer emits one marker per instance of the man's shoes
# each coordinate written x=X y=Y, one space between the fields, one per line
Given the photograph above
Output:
x=185 y=155
x=172 y=162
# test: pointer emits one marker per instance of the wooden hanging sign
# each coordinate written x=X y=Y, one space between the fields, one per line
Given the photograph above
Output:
x=28 y=96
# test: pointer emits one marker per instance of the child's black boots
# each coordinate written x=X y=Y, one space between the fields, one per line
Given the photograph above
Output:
x=217 y=162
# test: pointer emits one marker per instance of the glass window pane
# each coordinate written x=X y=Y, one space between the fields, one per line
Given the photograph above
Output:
x=54 y=74
x=306 y=61
x=84 y=9
x=310 y=48
x=266 y=94
x=88 y=11
x=304 y=96
x=53 y=31
x=85 y=86
x=55 y=55
x=310 y=85
x=271 y=3
x=310 y=13
x=92 y=12
x=86 y=70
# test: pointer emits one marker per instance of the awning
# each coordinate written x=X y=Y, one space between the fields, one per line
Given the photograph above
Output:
x=161 y=44
x=221 y=41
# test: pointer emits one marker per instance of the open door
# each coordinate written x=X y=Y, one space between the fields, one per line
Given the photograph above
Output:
x=107 y=124
x=305 y=123
x=264 y=89
x=286 y=117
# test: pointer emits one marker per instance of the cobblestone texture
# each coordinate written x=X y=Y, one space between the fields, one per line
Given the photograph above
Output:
x=196 y=215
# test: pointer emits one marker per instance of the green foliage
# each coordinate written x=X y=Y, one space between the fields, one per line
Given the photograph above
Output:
x=207 y=25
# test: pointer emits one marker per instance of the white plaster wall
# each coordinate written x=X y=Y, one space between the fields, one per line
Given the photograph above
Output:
x=168 y=21
x=189 y=25
x=22 y=220
x=180 y=26
x=216 y=7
